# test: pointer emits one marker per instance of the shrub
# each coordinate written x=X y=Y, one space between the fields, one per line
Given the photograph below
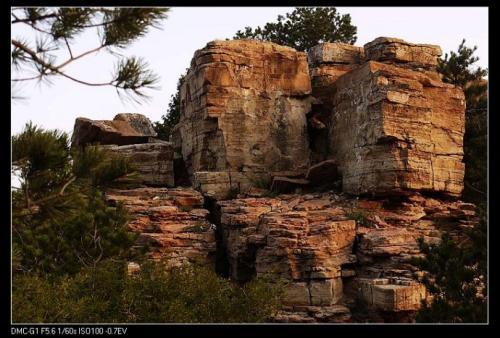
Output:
x=186 y=294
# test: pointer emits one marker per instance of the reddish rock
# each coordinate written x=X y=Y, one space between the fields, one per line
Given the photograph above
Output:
x=172 y=222
x=123 y=129
x=243 y=114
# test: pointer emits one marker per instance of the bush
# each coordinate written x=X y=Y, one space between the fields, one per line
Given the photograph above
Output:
x=106 y=293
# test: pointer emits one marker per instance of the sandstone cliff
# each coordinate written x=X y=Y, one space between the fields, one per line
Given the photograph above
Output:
x=373 y=121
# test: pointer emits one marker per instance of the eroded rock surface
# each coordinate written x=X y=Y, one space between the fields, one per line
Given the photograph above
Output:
x=394 y=129
x=309 y=241
x=402 y=53
x=171 y=222
x=243 y=107
x=153 y=162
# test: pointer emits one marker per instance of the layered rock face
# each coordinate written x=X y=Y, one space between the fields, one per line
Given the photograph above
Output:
x=243 y=106
x=130 y=136
x=328 y=61
x=309 y=241
x=171 y=222
x=395 y=126
x=152 y=161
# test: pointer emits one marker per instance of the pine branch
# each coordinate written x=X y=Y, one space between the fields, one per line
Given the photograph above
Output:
x=55 y=69
x=94 y=50
x=26 y=20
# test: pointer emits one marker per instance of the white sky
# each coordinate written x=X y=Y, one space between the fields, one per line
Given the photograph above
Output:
x=169 y=52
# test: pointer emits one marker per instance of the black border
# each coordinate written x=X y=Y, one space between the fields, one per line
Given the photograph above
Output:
x=265 y=330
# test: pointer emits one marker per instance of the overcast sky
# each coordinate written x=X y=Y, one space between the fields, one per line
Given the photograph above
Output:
x=169 y=52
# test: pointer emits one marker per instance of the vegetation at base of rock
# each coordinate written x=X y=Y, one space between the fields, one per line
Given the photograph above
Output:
x=106 y=293
x=168 y=121
x=459 y=69
x=456 y=277
x=57 y=29
x=304 y=28
x=60 y=220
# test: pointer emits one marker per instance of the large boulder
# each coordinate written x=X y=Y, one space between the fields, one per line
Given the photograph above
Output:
x=392 y=124
x=243 y=113
x=124 y=129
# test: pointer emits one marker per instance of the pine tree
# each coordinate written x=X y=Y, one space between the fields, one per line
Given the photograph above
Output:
x=60 y=220
x=459 y=69
x=57 y=29
x=456 y=274
x=171 y=118
x=304 y=28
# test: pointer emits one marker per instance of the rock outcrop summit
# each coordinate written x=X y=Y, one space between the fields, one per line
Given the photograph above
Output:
x=321 y=169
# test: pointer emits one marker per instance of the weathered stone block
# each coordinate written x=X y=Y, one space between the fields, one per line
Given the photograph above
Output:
x=123 y=129
x=297 y=294
x=243 y=107
x=336 y=53
x=395 y=129
x=171 y=222
x=152 y=161
x=391 y=295
x=403 y=53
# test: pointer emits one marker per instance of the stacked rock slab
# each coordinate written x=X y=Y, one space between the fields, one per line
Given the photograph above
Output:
x=299 y=239
x=243 y=114
x=153 y=161
x=171 y=222
x=308 y=241
x=327 y=62
x=130 y=136
x=394 y=125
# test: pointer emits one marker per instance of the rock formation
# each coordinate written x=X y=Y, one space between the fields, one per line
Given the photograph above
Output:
x=152 y=161
x=130 y=136
x=171 y=222
x=392 y=124
x=333 y=250
x=259 y=119
x=243 y=106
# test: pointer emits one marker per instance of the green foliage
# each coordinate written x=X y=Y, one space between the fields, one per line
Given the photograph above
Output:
x=91 y=295
x=55 y=29
x=60 y=220
x=171 y=118
x=128 y=24
x=458 y=68
x=106 y=293
x=361 y=218
x=304 y=28
x=456 y=277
